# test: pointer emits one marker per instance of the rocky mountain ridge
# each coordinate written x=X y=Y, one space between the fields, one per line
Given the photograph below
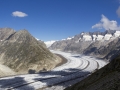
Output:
x=90 y=43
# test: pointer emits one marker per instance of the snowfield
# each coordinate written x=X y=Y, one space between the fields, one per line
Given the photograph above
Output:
x=77 y=68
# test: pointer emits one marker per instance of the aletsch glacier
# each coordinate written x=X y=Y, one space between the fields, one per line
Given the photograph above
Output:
x=78 y=67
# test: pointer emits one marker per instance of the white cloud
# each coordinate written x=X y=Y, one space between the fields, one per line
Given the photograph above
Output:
x=106 y=24
x=99 y=26
x=118 y=11
x=19 y=14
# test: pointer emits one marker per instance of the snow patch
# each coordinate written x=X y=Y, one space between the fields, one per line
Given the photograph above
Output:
x=107 y=37
x=87 y=38
x=63 y=39
x=69 y=38
x=117 y=34
x=37 y=39
x=94 y=37
x=49 y=43
x=82 y=33
x=100 y=37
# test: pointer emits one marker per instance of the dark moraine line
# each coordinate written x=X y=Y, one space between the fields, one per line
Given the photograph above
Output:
x=96 y=68
x=73 y=78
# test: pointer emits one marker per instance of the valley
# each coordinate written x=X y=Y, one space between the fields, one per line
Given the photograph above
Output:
x=27 y=63
x=76 y=69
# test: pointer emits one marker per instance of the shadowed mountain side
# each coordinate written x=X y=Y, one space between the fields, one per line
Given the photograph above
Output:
x=21 y=52
x=107 y=78
x=108 y=50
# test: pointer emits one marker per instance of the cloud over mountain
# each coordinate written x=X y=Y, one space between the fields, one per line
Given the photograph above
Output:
x=19 y=14
x=118 y=11
x=106 y=24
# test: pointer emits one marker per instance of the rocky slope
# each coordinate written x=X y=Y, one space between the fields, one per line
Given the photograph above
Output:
x=99 y=44
x=107 y=78
x=6 y=71
x=107 y=50
x=21 y=52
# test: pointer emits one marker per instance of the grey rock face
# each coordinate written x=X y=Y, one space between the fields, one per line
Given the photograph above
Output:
x=5 y=33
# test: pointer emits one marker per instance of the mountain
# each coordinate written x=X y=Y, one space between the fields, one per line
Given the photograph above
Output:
x=21 y=52
x=107 y=50
x=107 y=78
x=91 y=43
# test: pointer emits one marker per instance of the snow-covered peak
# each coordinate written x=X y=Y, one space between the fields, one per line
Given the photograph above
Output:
x=69 y=38
x=117 y=34
x=99 y=37
x=87 y=37
x=82 y=33
x=49 y=43
x=94 y=37
x=37 y=39
x=107 y=36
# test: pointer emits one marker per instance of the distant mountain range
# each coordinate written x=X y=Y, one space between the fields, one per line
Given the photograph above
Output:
x=21 y=52
x=99 y=44
x=105 y=45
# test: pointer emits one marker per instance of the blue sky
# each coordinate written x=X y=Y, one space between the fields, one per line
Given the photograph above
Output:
x=59 y=19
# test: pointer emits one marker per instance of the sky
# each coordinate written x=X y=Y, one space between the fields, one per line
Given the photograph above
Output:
x=58 y=19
